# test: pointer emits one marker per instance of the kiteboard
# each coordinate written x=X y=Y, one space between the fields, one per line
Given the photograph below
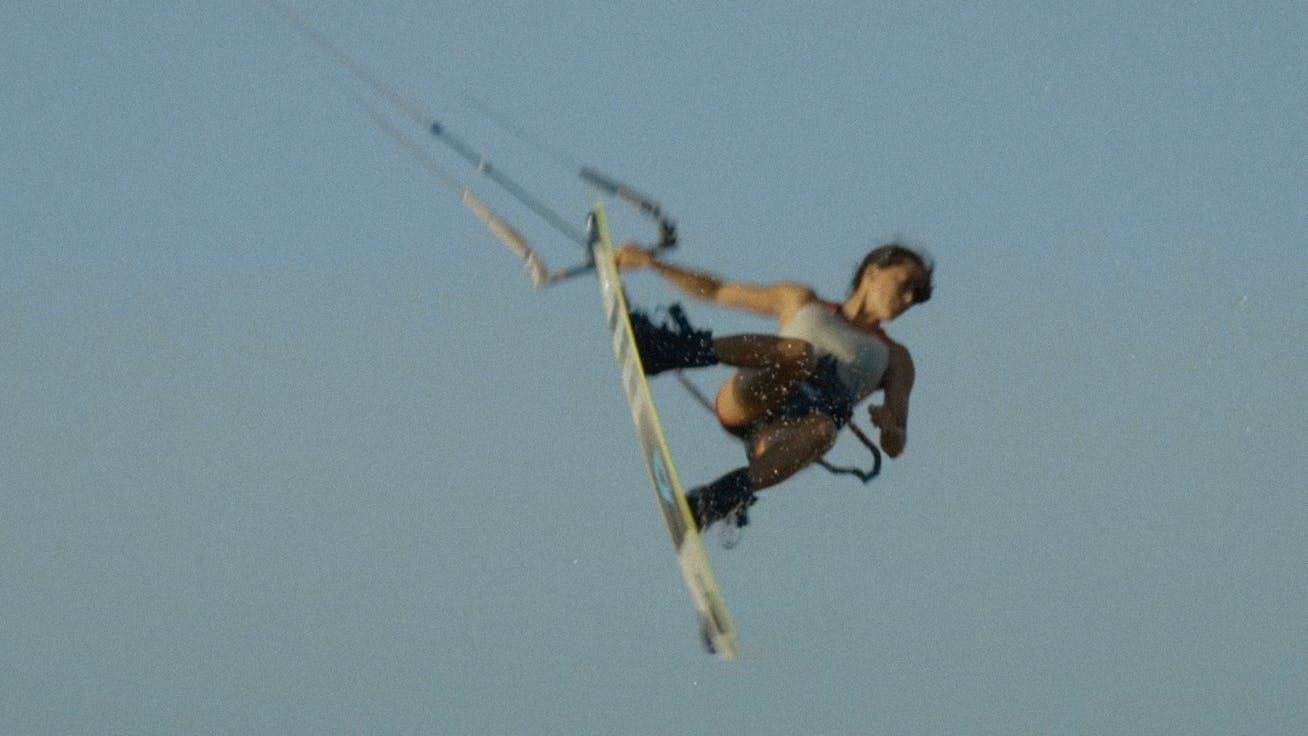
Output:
x=716 y=626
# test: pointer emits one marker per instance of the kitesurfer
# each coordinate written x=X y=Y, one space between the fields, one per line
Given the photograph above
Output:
x=792 y=391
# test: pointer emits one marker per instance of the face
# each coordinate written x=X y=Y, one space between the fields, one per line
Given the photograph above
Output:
x=888 y=292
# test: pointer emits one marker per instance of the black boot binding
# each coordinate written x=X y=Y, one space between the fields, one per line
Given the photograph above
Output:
x=669 y=346
x=728 y=497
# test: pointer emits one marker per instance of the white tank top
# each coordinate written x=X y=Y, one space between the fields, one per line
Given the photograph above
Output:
x=861 y=355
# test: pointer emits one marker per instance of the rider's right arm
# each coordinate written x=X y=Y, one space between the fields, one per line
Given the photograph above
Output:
x=779 y=300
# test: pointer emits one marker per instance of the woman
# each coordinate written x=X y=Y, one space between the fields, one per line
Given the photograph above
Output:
x=793 y=391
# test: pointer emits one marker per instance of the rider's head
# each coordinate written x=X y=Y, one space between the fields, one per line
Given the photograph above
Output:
x=915 y=267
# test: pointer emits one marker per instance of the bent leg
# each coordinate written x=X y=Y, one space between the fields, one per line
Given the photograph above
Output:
x=770 y=367
x=787 y=446
x=781 y=450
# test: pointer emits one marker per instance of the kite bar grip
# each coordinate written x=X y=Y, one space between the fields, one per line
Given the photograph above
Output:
x=647 y=206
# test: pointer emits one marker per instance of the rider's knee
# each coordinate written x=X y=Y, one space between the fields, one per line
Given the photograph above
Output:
x=824 y=435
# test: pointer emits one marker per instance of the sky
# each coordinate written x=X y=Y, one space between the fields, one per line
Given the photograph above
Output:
x=289 y=445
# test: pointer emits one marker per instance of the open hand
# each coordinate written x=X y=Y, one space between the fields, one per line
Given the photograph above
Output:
x=893 y=436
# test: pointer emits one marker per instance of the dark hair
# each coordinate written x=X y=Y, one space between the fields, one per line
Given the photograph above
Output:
x=894 y=254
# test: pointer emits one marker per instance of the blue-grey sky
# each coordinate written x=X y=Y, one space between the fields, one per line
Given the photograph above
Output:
x=289 y=446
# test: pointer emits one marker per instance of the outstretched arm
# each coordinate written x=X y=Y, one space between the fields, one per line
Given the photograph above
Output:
x=892 y=416
x=776 y=300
